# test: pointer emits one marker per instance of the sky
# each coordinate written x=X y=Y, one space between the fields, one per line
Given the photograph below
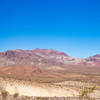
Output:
x=70 y=26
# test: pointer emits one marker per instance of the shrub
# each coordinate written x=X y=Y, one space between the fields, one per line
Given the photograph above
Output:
x=4 y=94
x=15 y=95
x=85 y=93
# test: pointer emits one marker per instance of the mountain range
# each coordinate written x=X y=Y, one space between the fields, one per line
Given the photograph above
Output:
x=45 y=58
x=45 y=63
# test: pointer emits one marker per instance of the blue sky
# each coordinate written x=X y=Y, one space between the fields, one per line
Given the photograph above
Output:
x=71 y=26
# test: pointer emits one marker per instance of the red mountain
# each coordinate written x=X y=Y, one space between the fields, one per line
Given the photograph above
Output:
x=45 y=63
x=44 y=58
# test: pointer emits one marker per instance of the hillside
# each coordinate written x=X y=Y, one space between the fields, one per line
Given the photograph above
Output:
x=50 y=73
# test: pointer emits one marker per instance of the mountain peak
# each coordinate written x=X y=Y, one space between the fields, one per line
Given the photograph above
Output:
x=49 y=51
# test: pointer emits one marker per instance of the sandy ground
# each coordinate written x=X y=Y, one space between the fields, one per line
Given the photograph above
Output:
x=26 y=88
x=36 y=89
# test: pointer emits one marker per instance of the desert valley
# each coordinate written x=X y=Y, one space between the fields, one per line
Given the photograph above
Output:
x=48 y=73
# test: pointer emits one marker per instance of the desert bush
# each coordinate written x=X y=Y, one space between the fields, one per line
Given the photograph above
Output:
x=27 y=98
x=4 y=94
x=15 y=95
x=85 y=93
